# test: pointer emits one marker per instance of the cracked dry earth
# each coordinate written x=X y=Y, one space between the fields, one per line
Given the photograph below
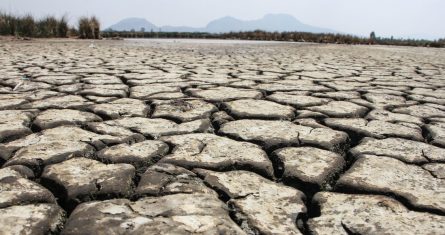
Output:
x=142 y=137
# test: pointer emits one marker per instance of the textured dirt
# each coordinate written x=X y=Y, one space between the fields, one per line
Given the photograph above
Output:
x=153 y=137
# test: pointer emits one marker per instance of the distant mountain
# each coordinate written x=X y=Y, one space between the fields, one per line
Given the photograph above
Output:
x=136 y=24
x=226 y=24
x=181 y=29
x=271 y=22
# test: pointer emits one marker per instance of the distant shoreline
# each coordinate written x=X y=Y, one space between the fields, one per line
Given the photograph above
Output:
x=186 y=40
x=259 y=35
x=207 y=40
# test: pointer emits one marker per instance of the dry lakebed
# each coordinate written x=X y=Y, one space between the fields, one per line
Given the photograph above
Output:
x=220 y=137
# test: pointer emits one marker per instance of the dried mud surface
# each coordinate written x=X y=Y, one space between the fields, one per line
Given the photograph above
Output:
x=177 y=137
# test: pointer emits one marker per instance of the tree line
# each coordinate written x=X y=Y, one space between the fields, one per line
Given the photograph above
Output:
x=48 y=27
x=280 y=36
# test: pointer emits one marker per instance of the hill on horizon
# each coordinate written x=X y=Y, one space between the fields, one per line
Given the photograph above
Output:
x=270 y=23
x=133 y=23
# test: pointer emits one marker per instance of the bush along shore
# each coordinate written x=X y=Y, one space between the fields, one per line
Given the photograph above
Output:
x=48 y=27
x=283 y=36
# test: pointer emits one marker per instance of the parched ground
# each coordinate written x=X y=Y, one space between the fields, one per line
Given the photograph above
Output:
x=179 y=137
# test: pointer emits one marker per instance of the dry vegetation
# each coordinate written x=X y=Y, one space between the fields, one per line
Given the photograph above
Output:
x=283 y=36
x=48 y=27
x=89 y=27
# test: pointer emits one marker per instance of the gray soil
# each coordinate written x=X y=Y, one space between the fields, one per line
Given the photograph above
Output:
x=179 y=137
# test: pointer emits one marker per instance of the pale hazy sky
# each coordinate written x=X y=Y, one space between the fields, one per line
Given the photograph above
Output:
x=401 y=18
